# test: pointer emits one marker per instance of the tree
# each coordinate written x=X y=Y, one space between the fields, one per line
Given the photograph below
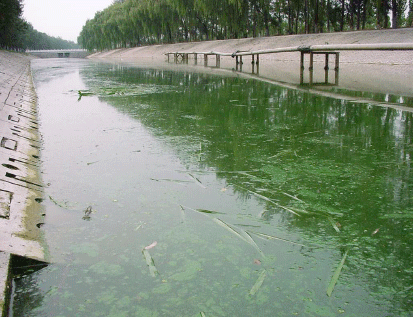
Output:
x=128 y=23
x=11 y=25
x=409 y=21
x=398 y=8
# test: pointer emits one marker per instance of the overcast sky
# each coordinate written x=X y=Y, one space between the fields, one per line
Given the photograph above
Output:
x=64 y=18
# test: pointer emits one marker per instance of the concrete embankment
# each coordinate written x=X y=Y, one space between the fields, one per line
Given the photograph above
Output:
x=374 y=71
x=21 y=189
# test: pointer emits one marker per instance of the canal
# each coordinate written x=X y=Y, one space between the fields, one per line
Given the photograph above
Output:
x=175 y=193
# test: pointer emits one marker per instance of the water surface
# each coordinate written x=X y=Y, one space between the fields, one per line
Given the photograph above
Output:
x=253 y=193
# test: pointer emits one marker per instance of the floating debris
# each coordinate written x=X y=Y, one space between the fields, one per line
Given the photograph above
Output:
x=183 y=218
x=250 y=240
x=56 y=202
x=195 y=210
x=179 y=181
x=83 y=93
x=243 y=235
x=152 y=245
x=197 y=181
x=336 y=275
x=269 y=237
x=88 y=211
x=289 y=209
x=62 y=204
x=226 y=226
x=334 y=224
x=270 y=200
x=209 y=211
x=258 y=283
x=141 y=223
x=205 y=211
x=293 y=197
x=150 y=262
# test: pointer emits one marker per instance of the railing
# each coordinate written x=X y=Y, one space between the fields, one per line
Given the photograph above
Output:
x=59 y=50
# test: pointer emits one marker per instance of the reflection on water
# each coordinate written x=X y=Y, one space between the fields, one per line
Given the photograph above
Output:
x=252 y=192
x=384 y=98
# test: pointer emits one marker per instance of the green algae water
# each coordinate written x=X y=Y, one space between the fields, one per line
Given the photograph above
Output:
x=173 y=193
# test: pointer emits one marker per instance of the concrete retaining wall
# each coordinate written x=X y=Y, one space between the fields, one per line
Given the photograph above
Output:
x=21 y=189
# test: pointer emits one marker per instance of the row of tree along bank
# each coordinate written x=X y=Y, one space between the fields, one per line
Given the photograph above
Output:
x=129 y=23
x=18 y=34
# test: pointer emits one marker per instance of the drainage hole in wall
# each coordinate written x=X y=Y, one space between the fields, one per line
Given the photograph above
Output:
x=10 y=166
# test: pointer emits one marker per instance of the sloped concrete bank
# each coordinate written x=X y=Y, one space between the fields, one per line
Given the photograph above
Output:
x=373 y=71
x=262 y=43
x=21 y=188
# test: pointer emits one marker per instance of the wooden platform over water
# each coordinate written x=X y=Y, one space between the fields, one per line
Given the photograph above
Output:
x=310 y=50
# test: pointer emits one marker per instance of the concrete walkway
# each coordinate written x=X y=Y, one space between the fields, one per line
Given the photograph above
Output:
x=21 y=189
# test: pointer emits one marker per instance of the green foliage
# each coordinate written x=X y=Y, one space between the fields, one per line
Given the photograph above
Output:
x=35 y=40
x=16 y=33
x=11 y=25
x=130 y=23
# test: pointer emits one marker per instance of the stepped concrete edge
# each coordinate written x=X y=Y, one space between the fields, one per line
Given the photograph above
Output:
x=21 y=189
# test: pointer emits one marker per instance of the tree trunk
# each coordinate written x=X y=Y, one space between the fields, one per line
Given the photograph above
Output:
x=385 y=13
x=410 y=17
x=394 y=14
x=328 y=15
x=266 y=21
x=342 y=15
x=364 y=14
x=306 y=17
x=289 y=17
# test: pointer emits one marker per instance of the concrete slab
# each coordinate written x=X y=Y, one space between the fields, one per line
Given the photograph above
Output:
x=21 y=189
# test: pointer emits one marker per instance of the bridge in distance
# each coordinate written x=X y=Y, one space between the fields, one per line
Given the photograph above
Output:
x=71 y=53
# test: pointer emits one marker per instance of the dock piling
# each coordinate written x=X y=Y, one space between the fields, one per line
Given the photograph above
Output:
x=326 y=69
x=311 y=68
x=336 y=68
x=302 y=68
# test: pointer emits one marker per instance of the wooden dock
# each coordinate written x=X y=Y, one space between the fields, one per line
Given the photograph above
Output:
x=311 y=50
